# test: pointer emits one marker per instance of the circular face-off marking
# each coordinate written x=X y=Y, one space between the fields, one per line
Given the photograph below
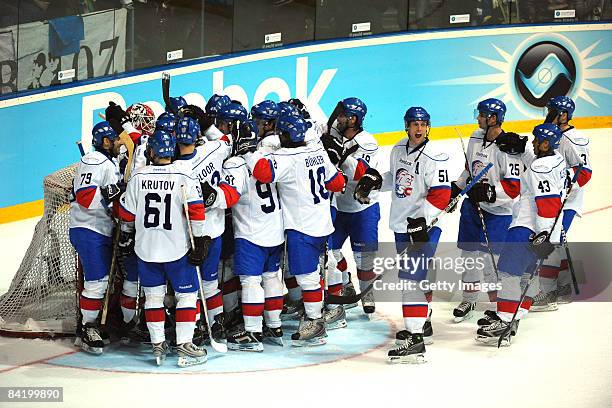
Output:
x=361 y=336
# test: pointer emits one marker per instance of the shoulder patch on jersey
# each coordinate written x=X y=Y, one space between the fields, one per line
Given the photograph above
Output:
x=94 y=158
x=366 y=141
x=546 y=164
x=477 y=134
x=234 y=162
x=434 y=154
x=401 y=143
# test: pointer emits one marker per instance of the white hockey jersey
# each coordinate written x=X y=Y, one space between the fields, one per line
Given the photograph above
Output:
x=257 y=216
x=364 y=148
x=418 y=179
x=206 y=164
x=153 y=204
x=88 y=208
x=575 y=150
x=505 y=175
x=542 y=190
x=304 y=176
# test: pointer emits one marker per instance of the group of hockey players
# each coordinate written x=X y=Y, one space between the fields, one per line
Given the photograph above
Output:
x=218 y=204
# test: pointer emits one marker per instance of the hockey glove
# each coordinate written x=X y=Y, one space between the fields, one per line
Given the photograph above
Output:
x=455 y=190
x=246 y=141
x=125 y=246
x=417 y=230
x=112 y=192
x=197 y=255
x=371 y=180
x=334 y=148
x=209 y=194
x=482 y=192
x=511 y=143
x=116 y=116
x=540 y=245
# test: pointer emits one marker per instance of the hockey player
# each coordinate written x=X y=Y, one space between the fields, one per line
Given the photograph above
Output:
x=152 y=206
x=530 y=236
x=209 y=126
x=205 y=163
x=305 y=176
x=554 y=276
x=418 y=177
x=355 y=220
x=492 y=198
x=259 y=234
x=96 y=185
x=265 y=114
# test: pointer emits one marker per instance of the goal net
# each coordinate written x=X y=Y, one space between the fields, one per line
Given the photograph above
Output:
x=42 y=299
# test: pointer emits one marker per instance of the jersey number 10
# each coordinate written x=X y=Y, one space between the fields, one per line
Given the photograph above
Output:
x=319 y=182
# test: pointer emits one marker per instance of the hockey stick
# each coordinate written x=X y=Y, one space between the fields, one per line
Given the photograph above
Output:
x=343 y=300
x=570 y=263
x=166 y=91
x=129 y=145
x=539 y=263
x=219 y=347
x=80 y=146
x=479 y=210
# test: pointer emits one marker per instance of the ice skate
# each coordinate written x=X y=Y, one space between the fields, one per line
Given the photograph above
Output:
x=292 y=310
x=310 y=333
x=564 y=294
x=349 y=290
x=490 y=334
x=463 y=311
x=489 y=317
x=409 y=348
x=91 y=339
x=245 y=341
x=273 y=335
x=160 y=350
x=367 y=301
x=545 y=302
x=189 y=354
x=335 y=318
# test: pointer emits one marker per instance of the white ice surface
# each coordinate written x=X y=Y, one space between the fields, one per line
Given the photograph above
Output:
x=559 y=359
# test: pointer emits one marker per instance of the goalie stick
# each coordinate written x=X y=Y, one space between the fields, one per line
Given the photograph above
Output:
x=127 y=141
x=343 y=300
x=219 y=347
x=540 y=261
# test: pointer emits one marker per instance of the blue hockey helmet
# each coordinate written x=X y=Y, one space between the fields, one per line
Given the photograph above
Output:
x=176 y=104
x=216 y=102
x=415 y=113
x=266 y=110
x=562 y=104
x=187 y=131
x=166 y=121
x=102 y=130
x=162 y=144
x=550 y=132
x=355 y=107
x=287 y=109
x=294 y=126
x=491 y=106
x=233 y=112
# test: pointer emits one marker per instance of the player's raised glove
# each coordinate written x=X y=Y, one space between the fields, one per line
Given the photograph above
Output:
x=112 y=192
x=333 y=147
x=511 y=143
x=197 y=255
x=540 y=245
x=482 y=192
x=125 y=246
x=417 y=230
x=116 y=116
x=371 y=180
x=246 y=142
x=455 y=190
x=209 y=194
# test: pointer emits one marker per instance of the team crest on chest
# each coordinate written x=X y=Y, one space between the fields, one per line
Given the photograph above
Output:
x=403 y=183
